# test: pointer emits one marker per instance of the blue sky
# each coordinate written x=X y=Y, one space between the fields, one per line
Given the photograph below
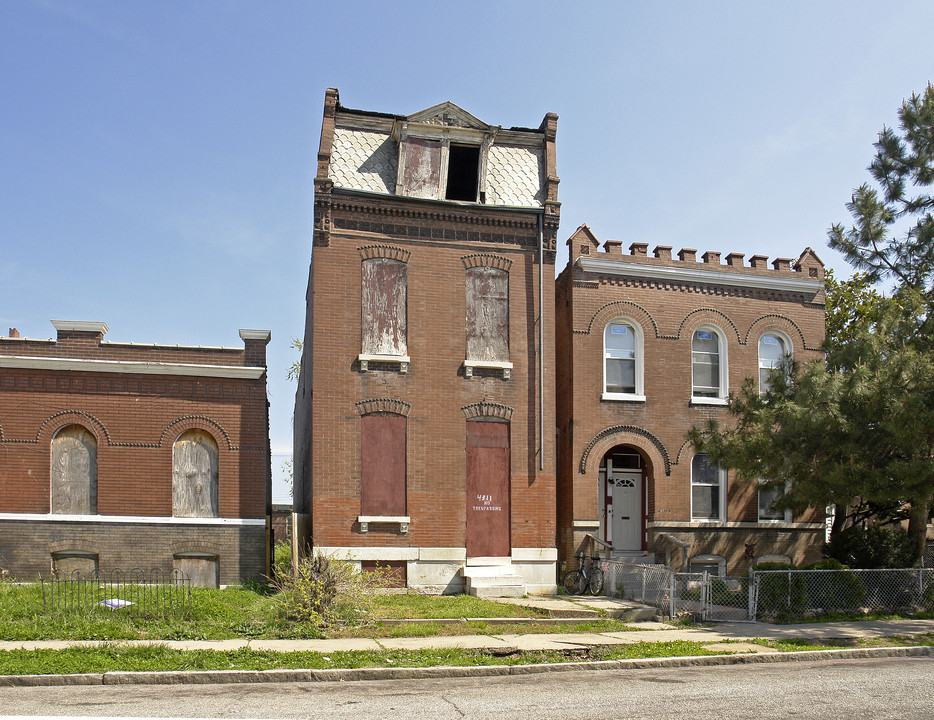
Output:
x=156 y=159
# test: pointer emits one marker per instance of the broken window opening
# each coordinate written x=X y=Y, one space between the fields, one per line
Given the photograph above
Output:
x=463 y=173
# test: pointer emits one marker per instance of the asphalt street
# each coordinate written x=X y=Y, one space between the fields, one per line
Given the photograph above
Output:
x=872 y=688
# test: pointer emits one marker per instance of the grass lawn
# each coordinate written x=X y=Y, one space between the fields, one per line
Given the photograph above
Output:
x=248 y=612
x=158 y=658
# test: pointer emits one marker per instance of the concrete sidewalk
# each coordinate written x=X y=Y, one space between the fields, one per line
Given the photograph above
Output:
x=740 y=633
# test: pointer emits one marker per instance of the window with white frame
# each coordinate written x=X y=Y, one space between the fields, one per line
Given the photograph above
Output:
x=622 y=361
x=708 y=489
x=772 y=348
x=708 y=365
x=767 y=497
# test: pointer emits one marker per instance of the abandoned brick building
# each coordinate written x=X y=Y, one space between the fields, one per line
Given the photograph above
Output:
x=125 y=455
x=424 y=417
x=647 y=347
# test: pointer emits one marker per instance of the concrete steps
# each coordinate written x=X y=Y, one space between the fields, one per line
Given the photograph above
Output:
x=492 y=578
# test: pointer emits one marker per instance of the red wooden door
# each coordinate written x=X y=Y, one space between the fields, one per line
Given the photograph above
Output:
x=487 y=489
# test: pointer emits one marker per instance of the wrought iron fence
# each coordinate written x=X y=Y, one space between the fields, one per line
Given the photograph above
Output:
x=136 y=592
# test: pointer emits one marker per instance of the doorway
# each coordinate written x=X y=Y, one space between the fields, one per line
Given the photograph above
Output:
x=622 y=499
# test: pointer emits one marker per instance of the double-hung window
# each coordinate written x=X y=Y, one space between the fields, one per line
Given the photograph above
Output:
x=708 y=489
x=622 y=362
x=772 y=348
x=767 y=496
x=708 y=366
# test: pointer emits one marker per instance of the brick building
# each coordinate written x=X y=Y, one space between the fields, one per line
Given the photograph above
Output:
x=424 y=417
x=647 y=347
x=124 y=455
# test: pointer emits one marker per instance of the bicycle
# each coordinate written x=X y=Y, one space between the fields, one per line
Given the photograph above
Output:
x=587 y=576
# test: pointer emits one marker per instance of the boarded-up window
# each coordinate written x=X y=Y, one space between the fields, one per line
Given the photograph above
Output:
x=384 y=307
x=194 y=475
x=74 y=472
x=74 y=562
x=487 y=314
x=422 y=172
x=203 y=570
x=382 y=465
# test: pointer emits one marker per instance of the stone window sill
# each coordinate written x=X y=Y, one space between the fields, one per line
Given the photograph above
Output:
x=401 y=520
x=506 y=367
x=401 y=360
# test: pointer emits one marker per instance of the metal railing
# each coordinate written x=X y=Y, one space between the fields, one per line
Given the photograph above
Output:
x=139 y=593
x=770 y=595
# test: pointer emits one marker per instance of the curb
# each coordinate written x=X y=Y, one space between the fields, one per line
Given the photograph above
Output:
x=209 y=677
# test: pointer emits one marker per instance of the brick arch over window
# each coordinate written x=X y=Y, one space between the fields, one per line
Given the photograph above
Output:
x=708 y=316
x=73 y=471
x=390 y=252
x=487 y=410
x=195 y=474
x=87 y=545
x=56 y=422
x=486 y=260
x=777 y=322
x=622 y=308
x=376 y=406
x=196 y=422
x=638 y=437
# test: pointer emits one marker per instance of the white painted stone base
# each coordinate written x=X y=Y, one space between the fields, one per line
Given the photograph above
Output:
x=437 y=571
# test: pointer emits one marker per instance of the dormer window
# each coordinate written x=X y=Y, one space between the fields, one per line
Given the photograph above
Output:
x=463 y=173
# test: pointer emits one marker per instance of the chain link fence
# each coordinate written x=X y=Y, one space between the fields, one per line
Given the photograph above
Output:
x=770 y=595
x=135 y=592
x=781 y=594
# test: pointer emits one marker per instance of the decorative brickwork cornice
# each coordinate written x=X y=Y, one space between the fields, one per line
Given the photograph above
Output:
x=487 y=409
x=384 y=251
x=389 y=406
x=625 y=429
x=486 y=260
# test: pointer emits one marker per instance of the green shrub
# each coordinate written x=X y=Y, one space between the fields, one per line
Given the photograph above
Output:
x=281 y=560
x=880 y=546
x=326 y=590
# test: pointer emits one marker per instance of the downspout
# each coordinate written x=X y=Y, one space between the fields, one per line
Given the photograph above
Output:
x=541 y=345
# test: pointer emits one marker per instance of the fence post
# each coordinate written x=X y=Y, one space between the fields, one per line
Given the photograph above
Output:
x=752 y=597
x=920 y=584
x=789 y=589
x=705 y=595
x=644 y=571
x=671 y=598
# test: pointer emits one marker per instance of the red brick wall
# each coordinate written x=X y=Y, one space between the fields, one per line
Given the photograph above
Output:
x=435 y=386
x=668 y=313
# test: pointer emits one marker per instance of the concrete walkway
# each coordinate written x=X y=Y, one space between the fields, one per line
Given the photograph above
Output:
x=743 y=634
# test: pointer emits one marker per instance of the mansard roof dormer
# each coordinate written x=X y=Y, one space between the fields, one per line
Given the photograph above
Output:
x=441 y=153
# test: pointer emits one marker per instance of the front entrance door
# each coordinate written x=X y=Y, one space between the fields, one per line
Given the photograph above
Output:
x=624 y=516
x=487 y=489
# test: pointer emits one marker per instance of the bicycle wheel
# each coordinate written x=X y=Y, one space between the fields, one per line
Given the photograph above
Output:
x=595 y=585
x=574 y=583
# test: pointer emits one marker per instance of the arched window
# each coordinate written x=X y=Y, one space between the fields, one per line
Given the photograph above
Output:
x=194 y=475
x=772 y=348
x=708 y=365
x=622 y=361
x=74 y=472
x=708 y=489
